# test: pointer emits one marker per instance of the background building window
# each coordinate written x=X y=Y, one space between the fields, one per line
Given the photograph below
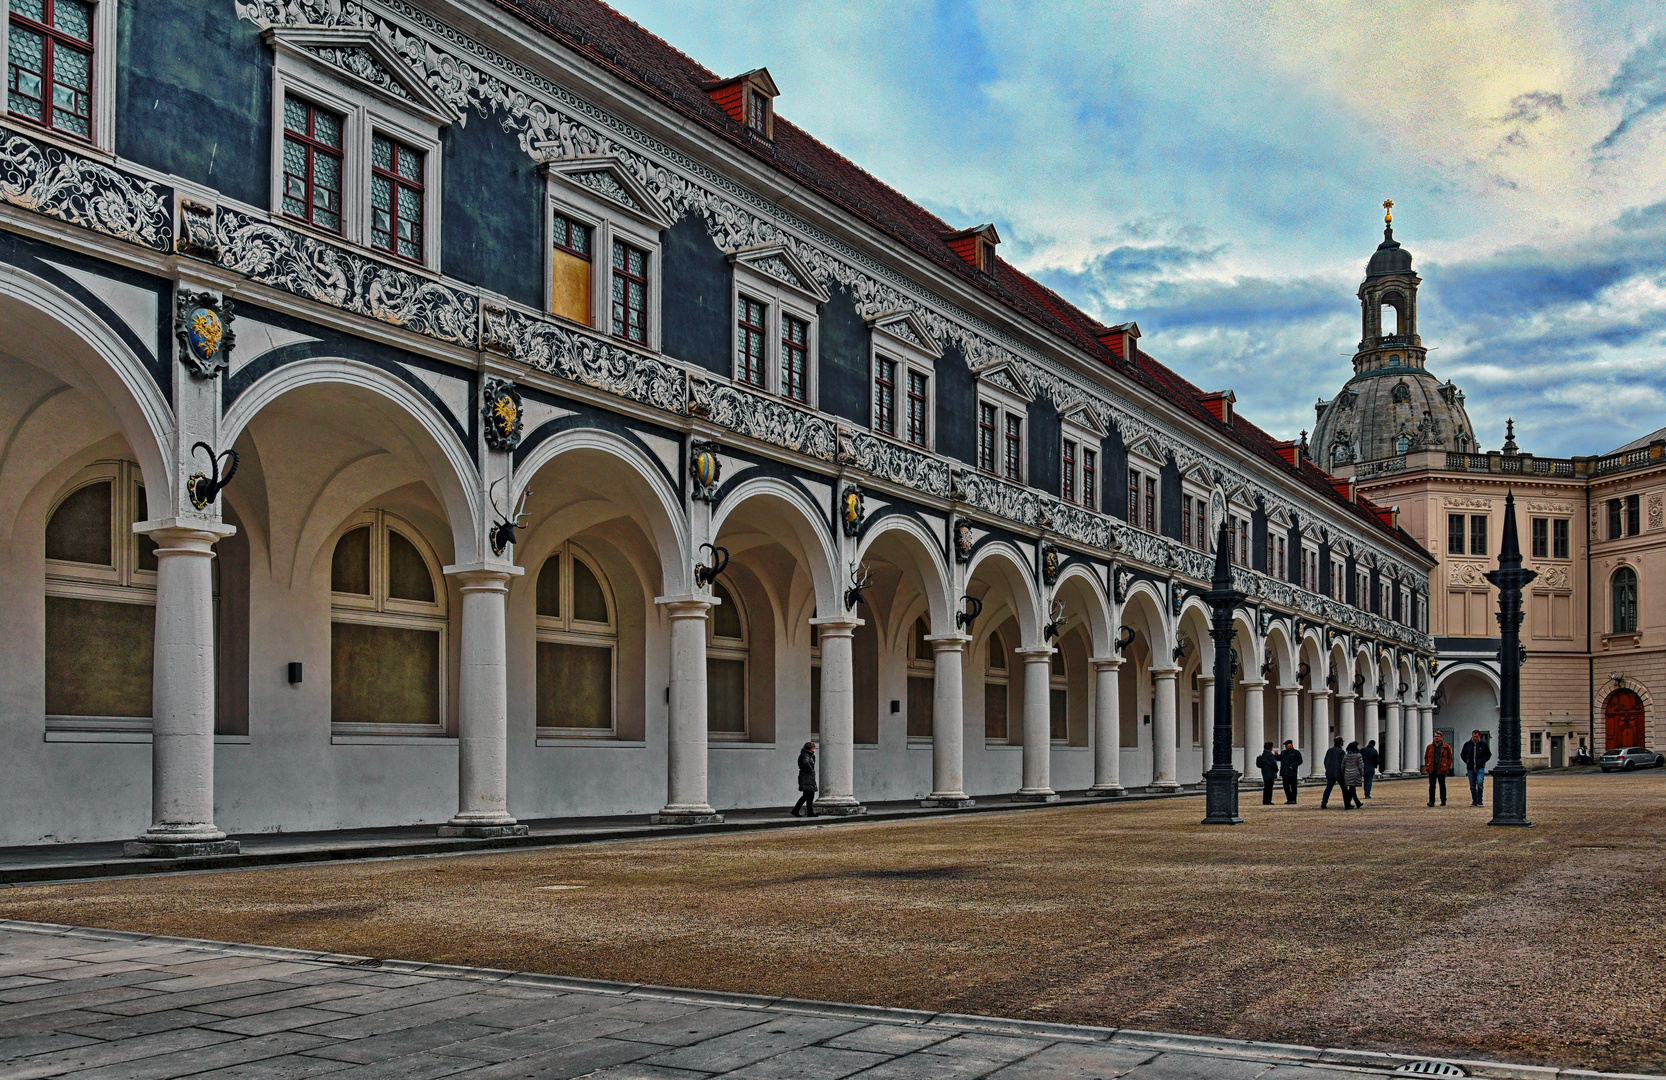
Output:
x=387 y=630
x=395 y=198
x=1090 y=478
x=312 y=156
x=1133 y=498
x=50 y=63
x=795 y=358
x=1616 y=528
x=1058 y=699
x=1559 y=538
x=1634 y=514
x=1150 y=504
x=1454 y=534
x=630 y=292
x=1541 y=538
x=1625 y=600
x=570 y=289
x=577 y=645
x=749 y=362
x=726 y=657
x=1477 y=535
x=1067 y=471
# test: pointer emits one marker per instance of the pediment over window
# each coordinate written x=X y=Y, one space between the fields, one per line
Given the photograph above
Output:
x=777 y=262
x=907 y=328
x=1080 y=414
x=1004 y=375
x=1199 y=474
x=366 y=61
x=607 y=179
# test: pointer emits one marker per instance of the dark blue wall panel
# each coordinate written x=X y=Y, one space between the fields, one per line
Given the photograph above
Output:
x=843 y=339
x=1044 y=446
x=957 y=407
x=493 y=211
x=694 y=309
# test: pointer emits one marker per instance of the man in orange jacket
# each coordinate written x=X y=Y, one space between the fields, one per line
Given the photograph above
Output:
x=1437 y=762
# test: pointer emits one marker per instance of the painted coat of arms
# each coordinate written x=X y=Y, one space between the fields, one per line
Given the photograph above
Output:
x=501 y=409
x=202 y=323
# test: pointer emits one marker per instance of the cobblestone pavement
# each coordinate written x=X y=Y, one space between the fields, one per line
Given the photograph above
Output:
x=96 y=1004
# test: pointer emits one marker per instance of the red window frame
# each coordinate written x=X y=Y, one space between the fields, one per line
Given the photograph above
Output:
x=885 y=395
x=397 y=181
x=1186 y=520
x=630 y=293
x=1067 y=480
x=1014 y=437
x=1133 y=498
x=795 y=358
x=1151 y=504
x=567 y=237
x=1231 y=538
x=751 y=333
x=918 y=427
x=313 y=146
x=52 y=38
x=1090 y=474
x=986 y=436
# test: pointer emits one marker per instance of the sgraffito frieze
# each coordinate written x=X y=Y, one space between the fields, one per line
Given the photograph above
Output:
x=45 y=179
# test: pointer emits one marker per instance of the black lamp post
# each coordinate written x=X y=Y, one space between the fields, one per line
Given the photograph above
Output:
x=1509 y=778
x=1221 y=781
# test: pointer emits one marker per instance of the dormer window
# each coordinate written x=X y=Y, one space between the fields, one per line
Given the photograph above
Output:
x=749 y=99
x=976 y=246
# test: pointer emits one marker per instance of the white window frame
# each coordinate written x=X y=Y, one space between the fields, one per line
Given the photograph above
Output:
x=1077 y=425
x=779 y=298
x=1006 y=403
x=102 y=133
x=366 y=110
x=1310 y=557
x=1338 y=578
x=379 y=609
x=567 y=630
x=609 y=220
x=1147 y=466
x=1245 y=519
x=890 y=340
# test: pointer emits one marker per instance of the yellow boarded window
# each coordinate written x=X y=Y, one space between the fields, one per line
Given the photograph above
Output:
x=570 y=282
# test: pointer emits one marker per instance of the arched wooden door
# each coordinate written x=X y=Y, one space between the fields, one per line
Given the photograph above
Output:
x=1624 y=716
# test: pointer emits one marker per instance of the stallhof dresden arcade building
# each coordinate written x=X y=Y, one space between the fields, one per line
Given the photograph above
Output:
x=462 y=412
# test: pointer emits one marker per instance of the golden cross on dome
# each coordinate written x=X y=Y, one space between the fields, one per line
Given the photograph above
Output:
x=1388 y=210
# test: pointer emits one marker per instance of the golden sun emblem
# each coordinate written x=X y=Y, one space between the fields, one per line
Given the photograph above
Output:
x=206 y=328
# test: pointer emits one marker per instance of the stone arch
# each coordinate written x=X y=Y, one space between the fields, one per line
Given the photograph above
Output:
x=806 y=523
x=1002 y=563
x=1278 y=643
x=903 y=539
x=1078 y=584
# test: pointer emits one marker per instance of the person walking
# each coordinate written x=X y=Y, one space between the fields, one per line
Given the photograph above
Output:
x=806 y=780
x=1268 y=764
x=1437 y=763
x=1289 y=760
x=1333 y=773
x=1476 y=753
x=1353 y=775
x=1372 y=759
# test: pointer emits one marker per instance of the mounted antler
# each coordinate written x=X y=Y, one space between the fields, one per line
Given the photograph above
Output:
x=503 y=531
x=963 y=620
x=1124 y=638
x=1303 y=669
x=204 y=488
x=860 y=579
x=706 y=573
x=1180 y=647
x=1055 y=624
x=1268 y=665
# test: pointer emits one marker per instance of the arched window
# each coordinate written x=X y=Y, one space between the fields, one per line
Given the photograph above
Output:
x=1058 y=699
x=1625 y=600
x=100 y=603
x=1402 y=445
x=387 y=631
x=995 y=690
x=1390 y=319
x=922 y=681
x=578 y=635
x=726 y=652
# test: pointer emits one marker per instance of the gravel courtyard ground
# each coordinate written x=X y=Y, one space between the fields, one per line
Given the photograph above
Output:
x=1398 y=927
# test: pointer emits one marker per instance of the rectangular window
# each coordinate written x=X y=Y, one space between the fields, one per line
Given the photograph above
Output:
x=885 y=396
x=49 y=64
x=986 y=437
x=630 y=292
x=1454 y=534
x=1634 y=514
x=1133 y=498
x=1090 y=477
x=1541 y=538
x=570 y=284
x=1536 y=743
x=917 y=431
x=312 y=164
x=1067 y=480
x=575 y=686
x=756 y=114
x=1232 y=538
x=921 y=692
x=1015 y=448
x=995 y=711
x=749 y=337
x=1151 y=504
x=395 y=198
x=1559 y=538
x=1477 y=535
x=1243 y=542
x=1058 y=715
x=1614 y=526
x=795 y=358
x=1186 y=520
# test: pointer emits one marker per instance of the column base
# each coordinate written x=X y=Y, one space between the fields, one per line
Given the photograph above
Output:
x=483 y=832
x=706 y=816
x=954 y=800
x=1041 y=796
x=849 y=809
x=174 y=849
x=1109 y=791
x=1163 y=785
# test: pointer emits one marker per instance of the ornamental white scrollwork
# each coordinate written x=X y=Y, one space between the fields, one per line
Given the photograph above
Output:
x=48 y=180
x=560 y=351
x=1000 y=498
x=767 y=420
x=900 y=465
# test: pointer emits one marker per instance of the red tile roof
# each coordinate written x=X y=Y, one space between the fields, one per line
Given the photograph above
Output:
x=630 y=52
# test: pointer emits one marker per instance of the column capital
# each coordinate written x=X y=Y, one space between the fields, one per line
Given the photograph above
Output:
x=949 y=642
x=837 y=625
x=1258 y=684
x=1036 y=654
x=1112 y=662
x=1319 y=694
x=483 y=577
x=1345 y=697
x=688 y=605
x=1289 y=689
x=177 y=529
x=1167 y=674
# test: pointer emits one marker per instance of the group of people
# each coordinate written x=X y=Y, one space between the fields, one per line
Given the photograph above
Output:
x=1353 y=768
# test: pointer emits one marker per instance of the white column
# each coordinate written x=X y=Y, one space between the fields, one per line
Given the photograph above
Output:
x=1255 y=708
x=838 y=718
x=1289 y=714
x=686 y=725
x=1162 y=728
x=182 y=695
x=1206 y=718
x=1411 y=753
x=1038 y=726
x=1390 y=749
x=1107 y=727
x=948 y=722
x=1344 y=720
x=483 y=707
x=1313 y=754
x=1427 y=736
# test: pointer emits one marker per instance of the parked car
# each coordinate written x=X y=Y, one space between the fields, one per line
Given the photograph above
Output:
x=1631 y=757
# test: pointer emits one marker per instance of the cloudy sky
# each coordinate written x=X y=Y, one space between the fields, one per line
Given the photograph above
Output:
x=1216 y=171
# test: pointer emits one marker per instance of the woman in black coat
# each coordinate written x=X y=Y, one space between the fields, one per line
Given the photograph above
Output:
x=806 y=780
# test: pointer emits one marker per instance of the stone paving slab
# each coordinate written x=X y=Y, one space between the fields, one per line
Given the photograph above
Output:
x=154 y=1008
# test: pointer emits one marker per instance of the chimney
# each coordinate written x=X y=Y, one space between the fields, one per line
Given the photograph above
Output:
x=1121 y=339
x=976 y=246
